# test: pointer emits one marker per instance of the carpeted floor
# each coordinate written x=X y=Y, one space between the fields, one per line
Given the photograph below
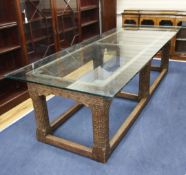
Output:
x=155 y=145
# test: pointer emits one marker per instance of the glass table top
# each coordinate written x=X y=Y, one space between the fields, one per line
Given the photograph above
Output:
x=101 y=67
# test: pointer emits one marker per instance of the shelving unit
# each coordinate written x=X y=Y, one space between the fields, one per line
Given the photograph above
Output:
x=11 y=56
x=33 y=29
x=38 y=28
x=108 y=13
x=89 y=18
x=161 y=18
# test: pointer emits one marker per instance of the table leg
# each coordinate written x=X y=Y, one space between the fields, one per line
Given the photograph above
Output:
x=165 y=56
x=41 y=113
x=100 y=117
x=144 y=81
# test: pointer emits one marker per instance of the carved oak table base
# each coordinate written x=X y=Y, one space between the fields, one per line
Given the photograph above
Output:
x=102 y=146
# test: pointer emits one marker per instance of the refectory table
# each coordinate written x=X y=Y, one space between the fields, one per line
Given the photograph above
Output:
x=93 y=74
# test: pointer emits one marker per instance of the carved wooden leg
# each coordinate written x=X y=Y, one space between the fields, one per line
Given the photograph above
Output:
x=41 y=115
x=144 y=81
x=165 y=56
x=100 y=115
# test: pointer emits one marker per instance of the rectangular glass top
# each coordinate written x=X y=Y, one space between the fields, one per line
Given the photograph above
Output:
x=101 y=67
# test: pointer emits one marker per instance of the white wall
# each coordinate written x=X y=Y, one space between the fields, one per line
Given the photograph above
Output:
x=151 y=4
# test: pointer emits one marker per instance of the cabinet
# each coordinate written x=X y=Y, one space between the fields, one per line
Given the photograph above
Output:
x=161 y=18
x=108 y=14
x=12 y=55
x=33 y=29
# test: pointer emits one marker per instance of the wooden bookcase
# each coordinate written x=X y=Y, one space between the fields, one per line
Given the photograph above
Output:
x=89 y=18
x=33 y=29
x=12 y=55
x=161 y=18
x=67 y=22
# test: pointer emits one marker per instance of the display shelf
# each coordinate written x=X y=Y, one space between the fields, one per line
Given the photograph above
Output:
x=38 y=28
x=12 y=55
x=180 y=46
x=4 y=50
x=6 y=25
x=35 y=55
x=161 y=18
x=11 y=97
x=36 y=39
x=182 y=33
x=37 y=19
x=166 y=23
x=9 y=40
x=66 y=39
x=181 y=52
x=89 y=23
x=86 y=3
x=89 y=7
x=9 y=62
x=90 y=35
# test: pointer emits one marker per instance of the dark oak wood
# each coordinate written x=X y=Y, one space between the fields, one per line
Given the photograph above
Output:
x=88 y=18
x=29 y=32
x=68 y=145
x=12 y=54
x=127 y=95
x=108 y=14
x=64 y=117
x=122 y=131
x=144 y=81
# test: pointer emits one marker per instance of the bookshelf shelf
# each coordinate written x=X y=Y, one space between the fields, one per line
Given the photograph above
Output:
x=4 y=50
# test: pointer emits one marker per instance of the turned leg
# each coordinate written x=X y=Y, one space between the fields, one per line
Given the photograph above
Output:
x=100 y=116
x=165 y=56
x=144 y=81
x=41 y=114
